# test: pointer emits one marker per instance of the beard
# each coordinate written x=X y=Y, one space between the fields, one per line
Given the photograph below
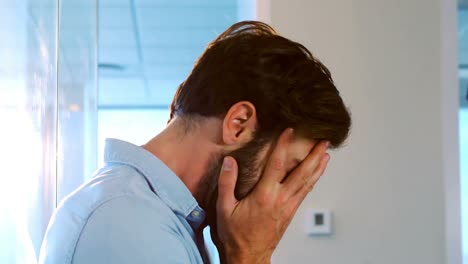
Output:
x=249 y=172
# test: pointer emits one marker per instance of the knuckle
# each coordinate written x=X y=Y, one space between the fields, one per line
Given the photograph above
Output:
x=281 y=201
x=263 y=200
x=312 y=167
x=225 y=210
x=277 y=164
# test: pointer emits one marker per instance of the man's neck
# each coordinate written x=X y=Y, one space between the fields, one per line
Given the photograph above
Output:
x=186 y=154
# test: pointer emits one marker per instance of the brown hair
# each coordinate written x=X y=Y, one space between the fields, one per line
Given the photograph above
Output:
x=288 y=86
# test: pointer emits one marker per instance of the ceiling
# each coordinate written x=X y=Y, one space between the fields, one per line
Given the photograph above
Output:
x=463 y=36
x=463 y=3
x=463 y=53
x=147 y=47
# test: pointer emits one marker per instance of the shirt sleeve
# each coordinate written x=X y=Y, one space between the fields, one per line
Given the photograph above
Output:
x=128 y=231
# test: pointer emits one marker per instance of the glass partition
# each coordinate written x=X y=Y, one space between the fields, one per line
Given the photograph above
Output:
x=48 y=66
x=28 y=114
x=463 y=118
x=77 y=94
x=49 y=94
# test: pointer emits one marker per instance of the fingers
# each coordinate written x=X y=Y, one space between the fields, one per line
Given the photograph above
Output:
x=304 y=174
x=226 y=184
x=275 y=169
x=307 y=188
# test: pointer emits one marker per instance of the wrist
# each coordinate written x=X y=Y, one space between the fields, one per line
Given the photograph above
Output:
x=242 y=257
x=246 y=260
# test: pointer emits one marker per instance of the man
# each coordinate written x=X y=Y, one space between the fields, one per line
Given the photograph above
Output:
x=246 y=142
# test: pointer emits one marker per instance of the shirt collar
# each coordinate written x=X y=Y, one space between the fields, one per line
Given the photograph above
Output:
x=168 y=186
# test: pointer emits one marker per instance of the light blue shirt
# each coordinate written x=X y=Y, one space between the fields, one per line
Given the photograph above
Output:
x=135 y=210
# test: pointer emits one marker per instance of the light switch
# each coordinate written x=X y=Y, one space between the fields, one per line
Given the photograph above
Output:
x=318 y=222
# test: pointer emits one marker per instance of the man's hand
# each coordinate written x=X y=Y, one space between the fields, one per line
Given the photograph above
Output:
x=251 y=229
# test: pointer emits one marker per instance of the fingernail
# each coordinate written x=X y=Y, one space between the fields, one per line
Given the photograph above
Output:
x=227 y=164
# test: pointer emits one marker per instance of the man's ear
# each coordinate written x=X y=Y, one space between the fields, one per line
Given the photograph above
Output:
x=239 y=123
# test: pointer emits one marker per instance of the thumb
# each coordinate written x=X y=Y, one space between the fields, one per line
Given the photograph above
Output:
x=226 y=185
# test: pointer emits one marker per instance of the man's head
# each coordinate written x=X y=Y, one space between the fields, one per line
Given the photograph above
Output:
x=257 y=83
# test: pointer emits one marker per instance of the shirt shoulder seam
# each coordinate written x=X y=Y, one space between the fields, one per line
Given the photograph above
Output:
x=94 y=208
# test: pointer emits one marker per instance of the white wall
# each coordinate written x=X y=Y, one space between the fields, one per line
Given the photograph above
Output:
x=387 y=187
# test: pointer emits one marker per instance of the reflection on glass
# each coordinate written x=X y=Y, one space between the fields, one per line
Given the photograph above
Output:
x=463 y=132
x=28 y=134
x=463 y=120
x=77 y=93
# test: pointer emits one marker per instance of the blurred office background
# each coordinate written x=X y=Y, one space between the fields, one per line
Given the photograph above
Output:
x=75 y=72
